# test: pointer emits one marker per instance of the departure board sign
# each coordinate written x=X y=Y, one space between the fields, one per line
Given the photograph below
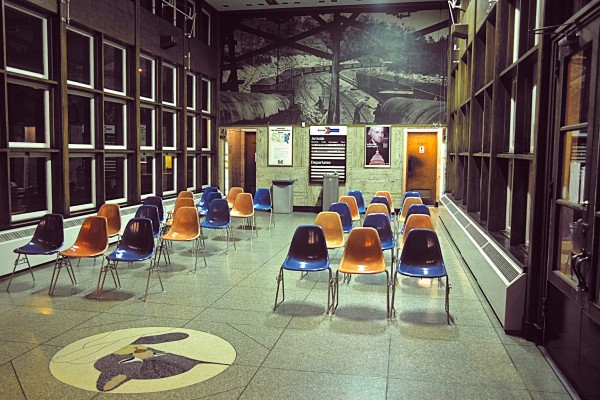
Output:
x=327 y=152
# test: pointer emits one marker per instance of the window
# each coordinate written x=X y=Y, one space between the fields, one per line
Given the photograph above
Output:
x=30 y=187
x=81 y=121
x=205 y=28
x=26 y=42
x=191 y=132
x=115 y=127
x=513 y=116
x=168 y=174
x=146 y=128
x=191 y=173
x=80 y=58
x=114 y=68
x=148 y=5
x=147 y=175
x=146 y=78
x=185 y=8
x=168 y=130
x=169 y=81
x=115 y=178
x=206 y=96
x=206 y=134
x=191 y=91
x=205 y=170
x=82 y=182
x=28 y=116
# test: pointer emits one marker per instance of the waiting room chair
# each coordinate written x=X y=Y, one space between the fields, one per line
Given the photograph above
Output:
x=381 y=223
x=181 y=195
x=351 y=201
x=218 y=217
x=422 y=221
x=377 y=208
x=307 y=253
x=207 y=190
x=232 y=194
x=91 y=242
x=384 y=200
x=262 y=202
x=243 y=207
x=387 y=195
x=156 y=201
x=331 y=224
x=360 y=201
x=344 y=210
x=186 y=228
x=209 y=198
x=415 y=209
x=151 y=212
x=421 y=257
x=112 y=212
x=179 y=203
x=363 y=255
x=47 y=239
x=407 y=203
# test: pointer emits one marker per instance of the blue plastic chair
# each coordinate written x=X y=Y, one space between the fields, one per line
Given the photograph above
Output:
x=47 y=239
x=421 y=257
x=207 y=190
x=218 y=217
x=360 y=201
x=415 y=209
x=151 y=212
x=409 y=194
x=344 y=210
x=262 y=202
x=209 y=198
x=156 y=201
x=307 y=253
x=384 y=200
x=382 y=225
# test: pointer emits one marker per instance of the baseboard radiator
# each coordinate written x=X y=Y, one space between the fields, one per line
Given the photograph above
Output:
x=500 y=278
x=11 y=239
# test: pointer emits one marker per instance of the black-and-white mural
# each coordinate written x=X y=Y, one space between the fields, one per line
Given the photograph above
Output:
x=337 y=68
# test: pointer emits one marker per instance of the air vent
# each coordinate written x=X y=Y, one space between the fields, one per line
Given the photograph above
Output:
x=476 y=235
x=12 y=235
x=452 y=208
x=508 y=271
x=463 y=220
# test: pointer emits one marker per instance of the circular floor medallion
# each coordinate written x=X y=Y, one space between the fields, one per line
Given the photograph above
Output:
x=142 y=360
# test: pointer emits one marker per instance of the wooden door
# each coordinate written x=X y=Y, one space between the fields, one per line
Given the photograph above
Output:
x=250 y=162
x=421 y=164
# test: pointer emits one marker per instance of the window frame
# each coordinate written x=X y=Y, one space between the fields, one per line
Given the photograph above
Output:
x=153 y=169
x=207 y=108
x=153 y=134
x=125 y=131
x=173 y=84
x=162 y=173
x=123 y=72
x=153 y=78
x=208 y=172
x=207 y=146
x=195 y=172
x=208 y=29
x=92 y=205
x=89 y=85
x=46 y=143
x=194 y=129
x=48 y=179
x=91 y=145
x=174 y=127
x=124 y=179
x=193 y=88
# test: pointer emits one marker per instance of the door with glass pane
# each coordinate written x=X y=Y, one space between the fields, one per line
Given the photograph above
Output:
x=572 y=312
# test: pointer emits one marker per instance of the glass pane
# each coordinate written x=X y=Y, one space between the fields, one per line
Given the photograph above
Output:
x=574 y=144
x=147 y=4
x=147 y=163
x=80 y=120
x=80 y=180
x=168 y=177
x=113 y=68
x=205 y=170
x=191 y=169
x=568 y=217
x=205 y=133
x=27 y=185
x=114 y=174
x=168 y=129
x=26 y=114
x=78 y=58
x=24 y=41
x=146 y=127
x=577 y=87
x=191 y=132
x=168 y=76
x=206 y=95
x=146 y=78
x=114 y=124
x=204 y=34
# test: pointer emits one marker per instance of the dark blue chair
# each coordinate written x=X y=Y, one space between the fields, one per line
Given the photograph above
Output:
x=207 y=190
x=307 y=253
x=47 y=239
x=209 y=198
x=344 y=210
x=262 y=202
x=151 y=212
x=156 y=201
x=360 y=201
x=381 y=223
x=415 y=209
x=218 y=217
x=384 y=200
x=409 y=194
x=421 y=257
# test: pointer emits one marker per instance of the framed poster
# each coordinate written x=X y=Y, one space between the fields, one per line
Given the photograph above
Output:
x=327 y=152
x=377 y=146
x=280 y=146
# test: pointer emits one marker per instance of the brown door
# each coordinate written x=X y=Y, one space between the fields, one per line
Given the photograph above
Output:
x=250 y=162
x=421 y=164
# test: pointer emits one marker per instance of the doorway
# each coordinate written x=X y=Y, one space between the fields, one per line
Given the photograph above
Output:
x=240 y=159
x=422 y=163
x=250 y=162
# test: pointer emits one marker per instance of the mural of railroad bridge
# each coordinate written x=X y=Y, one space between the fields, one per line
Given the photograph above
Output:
x=359 y=67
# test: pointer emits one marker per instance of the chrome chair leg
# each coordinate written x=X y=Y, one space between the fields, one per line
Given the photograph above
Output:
x=279 y=281
x=15 y=268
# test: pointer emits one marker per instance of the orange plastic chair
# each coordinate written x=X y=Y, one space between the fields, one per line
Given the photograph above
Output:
x=232 y=194
x=182 y=202
x=243 y=207
x=92 y=241
x=186 y=228
x=351 y=201
x=185 y=195
x=112 y=212
x=388 y=195
x=409 y=201
x=377 y=208
x=422 y=221
x=362 y=255
x=331 y=224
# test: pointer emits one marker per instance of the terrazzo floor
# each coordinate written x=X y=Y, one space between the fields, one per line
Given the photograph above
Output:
x=297 y=352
